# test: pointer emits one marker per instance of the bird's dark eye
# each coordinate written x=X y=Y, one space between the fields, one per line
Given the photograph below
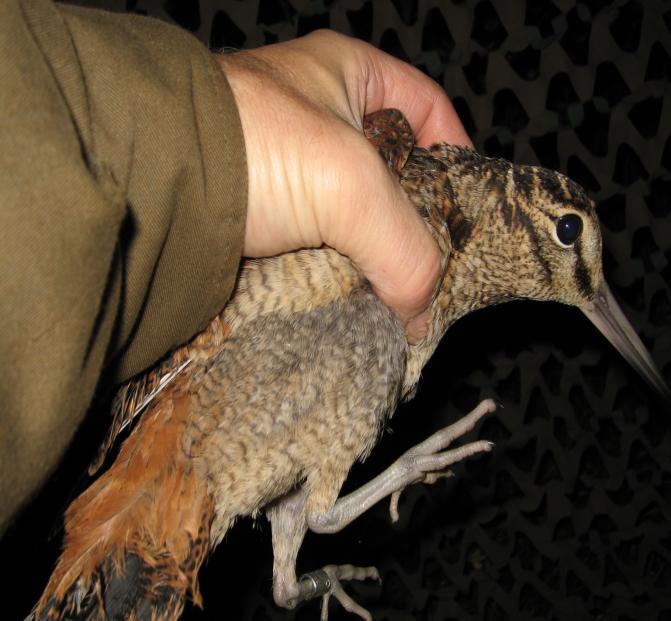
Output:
x=569 y=228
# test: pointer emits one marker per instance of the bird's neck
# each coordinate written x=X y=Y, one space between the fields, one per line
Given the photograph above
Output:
x=467 y=285
x=477 y=273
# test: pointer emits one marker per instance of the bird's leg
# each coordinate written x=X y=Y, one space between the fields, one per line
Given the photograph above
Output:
x=315 y=506
x=426 y=462
x=289 y=525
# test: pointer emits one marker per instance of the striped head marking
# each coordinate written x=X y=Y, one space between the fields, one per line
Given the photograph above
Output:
x=558 y=225
x=549 y=232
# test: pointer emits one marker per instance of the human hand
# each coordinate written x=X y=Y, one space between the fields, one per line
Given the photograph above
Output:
x=313 y=177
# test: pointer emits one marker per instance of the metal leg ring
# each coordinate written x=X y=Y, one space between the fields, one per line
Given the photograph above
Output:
x=314 y=584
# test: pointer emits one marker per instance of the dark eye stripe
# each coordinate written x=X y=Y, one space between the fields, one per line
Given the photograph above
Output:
x=523 y=220
x=582 y=276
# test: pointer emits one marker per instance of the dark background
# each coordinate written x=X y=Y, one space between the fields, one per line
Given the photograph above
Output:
x=569 y=518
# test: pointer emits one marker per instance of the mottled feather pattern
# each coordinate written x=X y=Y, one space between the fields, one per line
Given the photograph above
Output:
x=138 y=393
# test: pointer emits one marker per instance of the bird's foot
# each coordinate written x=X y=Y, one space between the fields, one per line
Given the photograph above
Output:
x=427 y=461
x=326 y=582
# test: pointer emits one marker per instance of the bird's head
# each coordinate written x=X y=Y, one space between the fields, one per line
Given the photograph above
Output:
x=535 y=234
x=506 y=232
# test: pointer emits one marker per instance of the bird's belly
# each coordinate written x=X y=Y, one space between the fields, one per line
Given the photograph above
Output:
x=252 y=463
x=288 y=393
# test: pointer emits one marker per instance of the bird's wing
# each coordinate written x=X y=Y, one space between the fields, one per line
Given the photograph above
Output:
x=138 y=393
x=135 y=395
x=390 y=133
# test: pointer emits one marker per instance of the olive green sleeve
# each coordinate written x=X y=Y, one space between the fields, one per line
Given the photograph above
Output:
x=122 y=207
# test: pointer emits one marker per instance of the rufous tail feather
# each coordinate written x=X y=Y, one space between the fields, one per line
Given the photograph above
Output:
x=136 y=538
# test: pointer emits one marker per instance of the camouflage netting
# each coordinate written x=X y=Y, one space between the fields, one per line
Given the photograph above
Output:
x=569 y=518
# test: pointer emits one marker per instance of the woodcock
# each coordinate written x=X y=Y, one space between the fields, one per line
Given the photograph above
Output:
x=292 y=383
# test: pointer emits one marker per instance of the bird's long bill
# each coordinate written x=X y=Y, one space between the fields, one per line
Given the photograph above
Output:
x=606 y=315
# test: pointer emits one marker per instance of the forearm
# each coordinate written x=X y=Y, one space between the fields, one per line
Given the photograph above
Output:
x=123 y=189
